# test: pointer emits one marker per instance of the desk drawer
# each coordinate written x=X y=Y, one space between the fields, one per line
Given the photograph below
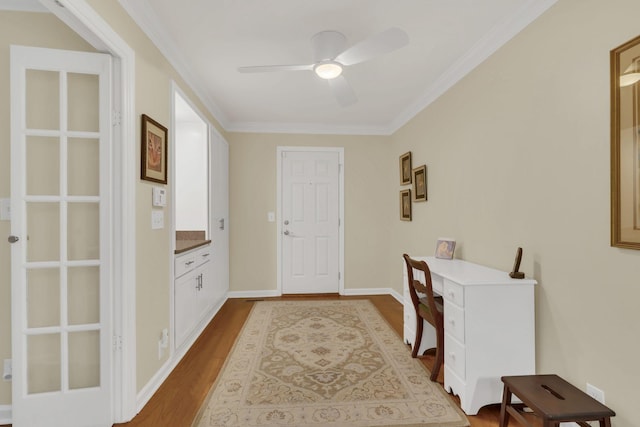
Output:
x=454 y=356
x=454 y=321
x=454 y=293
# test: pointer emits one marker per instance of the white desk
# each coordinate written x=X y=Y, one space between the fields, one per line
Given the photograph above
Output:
x=489 y=325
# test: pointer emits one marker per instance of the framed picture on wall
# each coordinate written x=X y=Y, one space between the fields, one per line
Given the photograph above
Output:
x=625 y=145
x=405 y=169
x=420 y=184
x=405 y=205
x=154 y=151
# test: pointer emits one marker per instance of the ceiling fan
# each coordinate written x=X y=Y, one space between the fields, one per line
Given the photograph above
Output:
x=330 y=56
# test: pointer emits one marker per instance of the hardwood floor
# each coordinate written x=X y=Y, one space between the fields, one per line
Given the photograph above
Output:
x=177 y=401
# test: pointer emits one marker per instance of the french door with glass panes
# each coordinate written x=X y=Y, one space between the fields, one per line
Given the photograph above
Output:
x=60 y=225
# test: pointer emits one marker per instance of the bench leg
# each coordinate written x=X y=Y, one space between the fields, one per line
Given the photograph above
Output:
x=506 y=401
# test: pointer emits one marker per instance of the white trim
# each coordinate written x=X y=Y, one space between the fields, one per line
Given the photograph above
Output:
x=483 y=49
x=24 y=6
x=145 y=17
x=5 y=414
x=81 y=17
x=279 y=151
x=253 y=294
x=307 y=128
x=147 y=392
x=375 y=291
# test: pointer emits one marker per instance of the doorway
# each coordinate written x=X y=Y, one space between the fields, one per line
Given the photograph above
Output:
x=310 y=220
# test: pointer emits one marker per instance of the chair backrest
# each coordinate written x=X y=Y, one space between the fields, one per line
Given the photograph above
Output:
x=416 y=285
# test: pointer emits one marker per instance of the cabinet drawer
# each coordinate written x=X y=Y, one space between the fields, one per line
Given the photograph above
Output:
x=454 y=321
x=454 y=356
x=454 y=293
x=184 y=264
x=203 y=256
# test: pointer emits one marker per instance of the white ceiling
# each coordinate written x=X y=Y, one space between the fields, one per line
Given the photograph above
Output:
x=207 y=40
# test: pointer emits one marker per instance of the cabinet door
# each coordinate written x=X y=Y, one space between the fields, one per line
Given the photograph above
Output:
x=185 y=301
x=205 y=290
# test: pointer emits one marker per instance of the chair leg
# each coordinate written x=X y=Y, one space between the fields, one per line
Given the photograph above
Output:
x=418 y=340
x=439 y=355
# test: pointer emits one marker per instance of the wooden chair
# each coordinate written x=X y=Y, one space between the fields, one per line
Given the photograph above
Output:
x=429 y=308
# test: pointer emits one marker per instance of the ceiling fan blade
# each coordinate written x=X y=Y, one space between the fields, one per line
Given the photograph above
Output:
x=270 y=68
x=327 y=44
x=378 y=44
x=342 y=91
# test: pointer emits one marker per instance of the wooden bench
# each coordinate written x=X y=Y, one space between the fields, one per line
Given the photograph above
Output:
x=552 y=399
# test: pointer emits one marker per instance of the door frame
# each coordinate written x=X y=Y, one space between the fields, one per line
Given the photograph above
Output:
x=85 y=21
x=279 y=151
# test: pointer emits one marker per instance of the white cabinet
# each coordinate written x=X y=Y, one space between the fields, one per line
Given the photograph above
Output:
x=193 y=291
x=489 y=323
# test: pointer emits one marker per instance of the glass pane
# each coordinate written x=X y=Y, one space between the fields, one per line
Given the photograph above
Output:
x=83 y=289
x=84 y=231
x=43 y=297
x=43 y=225
x=83 y=101
x=43 y=166
x=43 y=363
x=84 y=167
x=43 y=99
x=84 y=359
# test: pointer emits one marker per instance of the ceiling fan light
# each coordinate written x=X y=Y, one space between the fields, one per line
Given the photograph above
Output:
x=628 y=79
x=328 y=70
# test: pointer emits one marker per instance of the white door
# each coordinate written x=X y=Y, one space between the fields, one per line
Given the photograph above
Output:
x=60 y=225
x=310 y=222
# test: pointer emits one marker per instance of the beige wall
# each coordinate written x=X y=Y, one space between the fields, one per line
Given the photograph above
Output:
x=518 y=155
x=253 y=193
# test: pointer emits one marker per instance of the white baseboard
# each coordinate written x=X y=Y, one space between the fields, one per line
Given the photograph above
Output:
x=350 y=292
x=253 y=294
x=5 y=414
x=374 y=291
x=156 y=381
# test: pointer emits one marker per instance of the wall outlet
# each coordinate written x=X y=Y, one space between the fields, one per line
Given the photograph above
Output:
x=596 y=393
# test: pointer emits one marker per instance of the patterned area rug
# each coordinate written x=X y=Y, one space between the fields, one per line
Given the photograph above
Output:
x=324 y=363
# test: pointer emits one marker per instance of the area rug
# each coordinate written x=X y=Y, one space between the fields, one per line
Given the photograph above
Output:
x=324 y=363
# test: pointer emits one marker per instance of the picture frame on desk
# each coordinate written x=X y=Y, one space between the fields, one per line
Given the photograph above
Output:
x=445 y=248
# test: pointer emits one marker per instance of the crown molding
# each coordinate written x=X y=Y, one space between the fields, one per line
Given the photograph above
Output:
x=145 y=17
x=22 y=6
x=483 y=49
x=306 y=128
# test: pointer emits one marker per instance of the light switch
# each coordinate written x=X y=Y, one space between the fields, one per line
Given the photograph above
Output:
x=157 y=220
x=159 y=197
x=271 y=216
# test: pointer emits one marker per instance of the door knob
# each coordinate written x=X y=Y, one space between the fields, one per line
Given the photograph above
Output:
x=286 y=232
x=286 y=222
x=13 y=239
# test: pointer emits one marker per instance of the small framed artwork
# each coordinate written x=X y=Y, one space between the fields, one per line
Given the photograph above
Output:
x=154 y=151
x=420 y=184
x=445 y=248
x=405 y=169
x=405 y=205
